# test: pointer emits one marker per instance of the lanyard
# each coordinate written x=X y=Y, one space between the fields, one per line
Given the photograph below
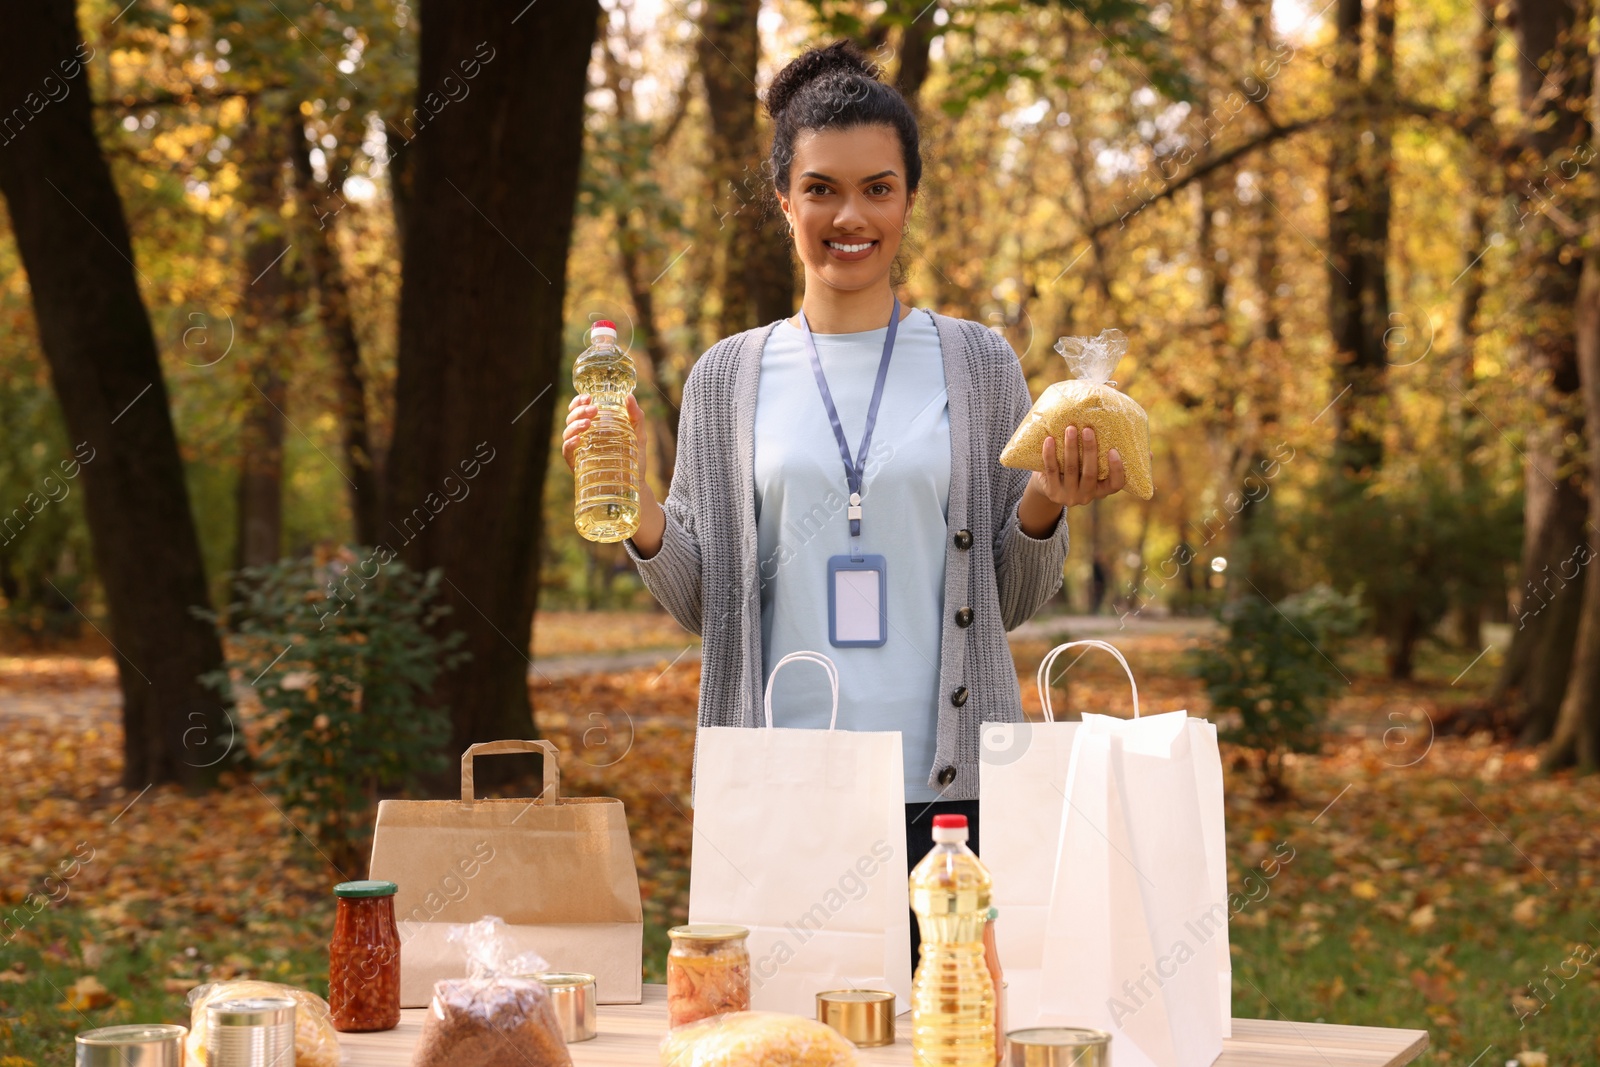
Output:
x=853 y=471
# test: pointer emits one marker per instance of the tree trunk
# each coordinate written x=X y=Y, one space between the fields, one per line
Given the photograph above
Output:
x=401 y=183
x=1466 y=426
x=915 y=41
x=757 y=280
x=1576 y=737
x=1556 y=504
x=1263 y=569
x=321 y=206
x=267 y=325
x=259 y=494
x=1358 y=239
x=631 y=244
x=1569 y=715
x=75 y=246
x=495 y=184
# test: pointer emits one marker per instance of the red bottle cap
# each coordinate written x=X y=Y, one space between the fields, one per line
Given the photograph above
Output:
x=949 y=822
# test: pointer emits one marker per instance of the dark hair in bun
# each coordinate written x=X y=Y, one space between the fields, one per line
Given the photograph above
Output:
x=836 y=87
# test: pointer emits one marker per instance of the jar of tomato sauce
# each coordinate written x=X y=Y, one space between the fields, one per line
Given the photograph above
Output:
x=364 y=958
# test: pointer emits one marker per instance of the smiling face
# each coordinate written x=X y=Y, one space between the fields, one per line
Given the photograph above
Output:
x=848 y=203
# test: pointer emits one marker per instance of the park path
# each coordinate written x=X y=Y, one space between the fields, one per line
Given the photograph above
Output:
x=1053 y=628
x=95 y=701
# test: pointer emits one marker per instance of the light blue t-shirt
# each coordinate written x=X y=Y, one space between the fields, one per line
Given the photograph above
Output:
x=801 y=497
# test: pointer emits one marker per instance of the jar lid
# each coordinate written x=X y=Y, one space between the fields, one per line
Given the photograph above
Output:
x=365 y=889
x=708 y=932
x=251 y=1011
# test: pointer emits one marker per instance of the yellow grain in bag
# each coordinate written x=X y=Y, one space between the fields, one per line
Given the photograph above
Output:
x=1088 y=399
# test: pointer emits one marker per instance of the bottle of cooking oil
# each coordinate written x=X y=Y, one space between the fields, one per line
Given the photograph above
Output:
x=606 y=463
x=952 y=995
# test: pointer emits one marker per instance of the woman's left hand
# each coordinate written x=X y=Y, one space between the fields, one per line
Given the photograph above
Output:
x=1066 y=481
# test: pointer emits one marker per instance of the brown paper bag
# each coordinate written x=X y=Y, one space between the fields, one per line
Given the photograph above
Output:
x=558 y=870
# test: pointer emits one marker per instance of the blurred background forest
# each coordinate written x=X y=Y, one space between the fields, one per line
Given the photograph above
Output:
x=290 y=292
x=1347 y=243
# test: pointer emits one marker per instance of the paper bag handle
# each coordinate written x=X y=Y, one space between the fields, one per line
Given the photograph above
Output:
x=552 y=770
x=1050 y=658
x=814 y=657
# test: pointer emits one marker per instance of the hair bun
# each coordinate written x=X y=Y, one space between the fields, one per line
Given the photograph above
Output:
x=842 y=55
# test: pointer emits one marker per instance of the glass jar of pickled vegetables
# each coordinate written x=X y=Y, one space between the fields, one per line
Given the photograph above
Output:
x=364 y=958
x=708 y=972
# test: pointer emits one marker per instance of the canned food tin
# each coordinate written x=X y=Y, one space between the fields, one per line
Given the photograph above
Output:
x=573 y=995
x=865 y=1017
x=137 y=1045
x=250 y=1032
x=1058 y=1046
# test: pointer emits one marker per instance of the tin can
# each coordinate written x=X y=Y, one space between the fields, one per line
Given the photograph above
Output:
x=1058 y=1046
x=573 y=996
x=865 y=1017
x=250 y=1032
x=137 y=1045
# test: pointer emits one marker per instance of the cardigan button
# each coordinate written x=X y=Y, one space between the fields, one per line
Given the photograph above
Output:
x=947 y=776
x=964 y=618
x=963 y=539
x=959 y=697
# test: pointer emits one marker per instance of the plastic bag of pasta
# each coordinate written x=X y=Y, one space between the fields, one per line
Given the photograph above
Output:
x=316 y=1043
x=491 y=1018
x=769 y=1038
x=1089 y=399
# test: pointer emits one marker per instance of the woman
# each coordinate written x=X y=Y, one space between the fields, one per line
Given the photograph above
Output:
x=921 y=404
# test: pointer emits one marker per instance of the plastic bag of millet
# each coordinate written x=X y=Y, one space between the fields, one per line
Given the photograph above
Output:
x=1089 y=399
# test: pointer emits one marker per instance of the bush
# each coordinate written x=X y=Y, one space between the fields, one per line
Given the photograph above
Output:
x=341 y=651
x=1416 y=540
x=1274 y=672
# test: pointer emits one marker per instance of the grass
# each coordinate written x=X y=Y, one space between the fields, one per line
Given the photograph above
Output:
x=1437 y=883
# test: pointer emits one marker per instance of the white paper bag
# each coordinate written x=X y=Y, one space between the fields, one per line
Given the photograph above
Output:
x=1024 y=769
x=1112 y=890
x=800 y=836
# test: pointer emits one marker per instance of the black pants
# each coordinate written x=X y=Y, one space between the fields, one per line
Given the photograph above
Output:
x=919 y=842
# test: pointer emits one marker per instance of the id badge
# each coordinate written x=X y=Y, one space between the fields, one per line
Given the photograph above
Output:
x=858 y=601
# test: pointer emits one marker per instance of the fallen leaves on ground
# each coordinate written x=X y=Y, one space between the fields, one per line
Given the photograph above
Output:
x=87 y=994
x=571 y=633
x=1434 y=882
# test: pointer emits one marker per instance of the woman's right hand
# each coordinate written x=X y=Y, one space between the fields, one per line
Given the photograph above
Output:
x=581 y=414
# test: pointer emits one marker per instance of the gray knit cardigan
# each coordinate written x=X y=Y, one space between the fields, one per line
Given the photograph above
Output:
x=706 y=571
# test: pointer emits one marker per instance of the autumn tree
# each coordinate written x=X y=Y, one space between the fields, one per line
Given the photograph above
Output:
x=68 y=222
x=1553 y=125
x=494 y=181
x=756 y=280
x=1576 y=735
x=272 y=291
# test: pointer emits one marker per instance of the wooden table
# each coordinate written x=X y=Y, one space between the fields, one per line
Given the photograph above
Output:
x=631 y=1033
